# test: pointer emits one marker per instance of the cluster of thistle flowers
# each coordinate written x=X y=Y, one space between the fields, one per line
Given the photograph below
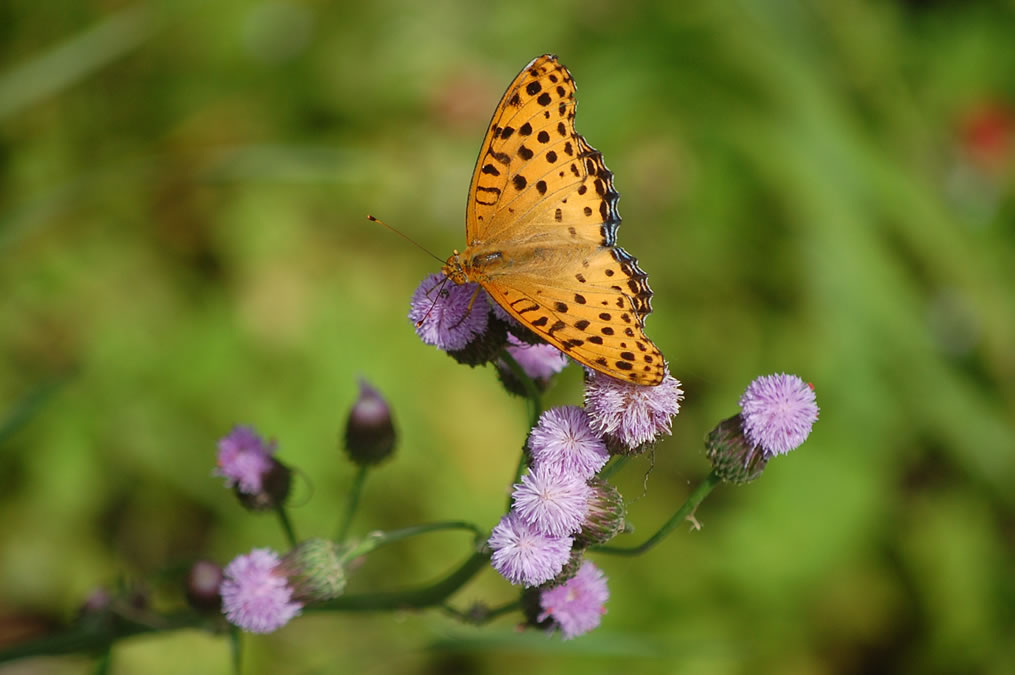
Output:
x=561 y=507
x=261 y=591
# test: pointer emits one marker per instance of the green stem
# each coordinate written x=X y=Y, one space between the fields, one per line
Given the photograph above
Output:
x=417 y=598
x=682 y=513
x=535 y=409
x=98 y=633
x=93 y=635
x=287 y=525
x=483 y=616
x=532 y=391
x=236 y=649
x=384 y=538
x=523 y=459
x=103 y=662
x=502 y=610
x=353 y=502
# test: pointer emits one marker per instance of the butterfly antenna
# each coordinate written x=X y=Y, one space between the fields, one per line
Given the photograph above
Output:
x=407 y=238
x=438 y=288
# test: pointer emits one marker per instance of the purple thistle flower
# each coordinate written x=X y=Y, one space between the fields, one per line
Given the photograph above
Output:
x=451 y=324
x=630 y=413
x=578 y=605
x=553 y=502
x=244 y=459
x=778 y=412
x=523 y=555
x=539 y=362
x=564 y=439
x=256 y=595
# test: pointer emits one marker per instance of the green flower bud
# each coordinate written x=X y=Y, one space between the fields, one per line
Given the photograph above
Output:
x=733 y=457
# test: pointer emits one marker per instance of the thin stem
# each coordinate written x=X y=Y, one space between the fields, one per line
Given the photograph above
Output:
x=682 y=513
x=352 y=502
x=287 y=526
x=102 y=664
x=417 y=598
x=531 y=390
x=385 y=538
x=481 y=616
x=502 y=610
x=523 y=459
x=236 y=649
x=535 y=409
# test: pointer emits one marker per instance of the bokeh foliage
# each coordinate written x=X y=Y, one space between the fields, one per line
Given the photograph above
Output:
x=183 y=246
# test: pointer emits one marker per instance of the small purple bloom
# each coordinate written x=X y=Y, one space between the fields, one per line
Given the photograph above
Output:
x=553 y=502
x=255 y=595
x=578 y=605
x=523 y=555
x=452 y=323
x=539 y=362
x=244 y=459
x=778 y=412
x=564 y=439
x=631 y=413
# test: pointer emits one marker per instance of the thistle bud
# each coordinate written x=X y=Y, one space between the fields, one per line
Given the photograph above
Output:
x=571 y=567
x=369 y=431
x=315 y=570
x=605 y=517
x=274 y=490
x=203 y=581
x=733 y=457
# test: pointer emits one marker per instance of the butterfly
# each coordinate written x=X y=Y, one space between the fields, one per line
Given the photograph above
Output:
x=541 y=227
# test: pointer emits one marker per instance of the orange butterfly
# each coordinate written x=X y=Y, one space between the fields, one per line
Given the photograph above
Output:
x=541 y=226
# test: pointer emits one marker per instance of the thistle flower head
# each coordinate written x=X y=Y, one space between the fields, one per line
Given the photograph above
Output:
x=564 y=439
x=631 y=414
x=551 y=501
x=540 y=362
x=245 y=459
x=256 y=595
x=778 y=412
x=452 y=315
x=523 y=555
x=578 y=605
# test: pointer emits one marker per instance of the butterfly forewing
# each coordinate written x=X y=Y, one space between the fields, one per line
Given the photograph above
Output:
x=542 y=212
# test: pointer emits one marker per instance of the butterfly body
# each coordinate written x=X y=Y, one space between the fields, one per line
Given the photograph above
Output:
x=541 y=227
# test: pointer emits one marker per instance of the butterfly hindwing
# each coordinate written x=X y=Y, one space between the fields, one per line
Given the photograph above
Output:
x=593 y=316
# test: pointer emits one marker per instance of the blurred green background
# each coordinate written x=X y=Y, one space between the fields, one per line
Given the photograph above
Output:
x=822 y=188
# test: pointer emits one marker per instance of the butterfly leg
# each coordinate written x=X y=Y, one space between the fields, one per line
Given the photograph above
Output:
x=468 y=310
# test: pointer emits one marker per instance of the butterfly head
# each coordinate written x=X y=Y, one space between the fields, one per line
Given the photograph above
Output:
x=454 y=269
